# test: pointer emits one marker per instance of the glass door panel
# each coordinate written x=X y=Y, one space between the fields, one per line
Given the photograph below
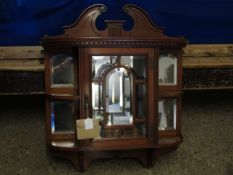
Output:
x=62 y=70
x=62 y=116
x=119 y=94
x=167 y=70
x=118 y=97
x=137 y=63
x=167 y=114
x=141 y=100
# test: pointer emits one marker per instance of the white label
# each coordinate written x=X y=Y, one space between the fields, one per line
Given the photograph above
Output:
x=88 y=123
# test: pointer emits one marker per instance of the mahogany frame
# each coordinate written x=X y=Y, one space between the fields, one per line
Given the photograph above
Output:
x=83 y=39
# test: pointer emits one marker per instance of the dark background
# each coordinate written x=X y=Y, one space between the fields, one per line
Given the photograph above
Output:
x=24 y=22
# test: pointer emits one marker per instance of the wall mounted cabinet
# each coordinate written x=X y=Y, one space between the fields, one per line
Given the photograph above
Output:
x=126 y=84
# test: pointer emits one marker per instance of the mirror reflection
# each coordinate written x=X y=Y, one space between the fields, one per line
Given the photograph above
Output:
x=96 y=96
x=63 y=116
x=136 y=131
x=167 y=70
x=141 y=101
x=113 y=86
x=100 y=64
x=137 y=63
x=118 y=97
x=167 y=114
x=62 y=70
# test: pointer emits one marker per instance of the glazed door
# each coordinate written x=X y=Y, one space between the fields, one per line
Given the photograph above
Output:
x=119 y=91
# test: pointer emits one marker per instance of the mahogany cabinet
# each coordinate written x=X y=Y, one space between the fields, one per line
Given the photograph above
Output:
x=129 y=81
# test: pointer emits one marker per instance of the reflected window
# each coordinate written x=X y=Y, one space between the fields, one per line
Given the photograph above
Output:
x=167 y=114
x=62 y=70
x=167 y=70
x=63 y=116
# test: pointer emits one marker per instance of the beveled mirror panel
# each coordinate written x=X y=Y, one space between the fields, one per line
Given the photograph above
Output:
x=137 y=63
x=141 y=101
x=167 y=70
x=100 y=64
x=138 y=130
x=62 y=71
x=62 y=116
x=97 y=100
x=119 y=97
x=167 y=114
x=114 y=81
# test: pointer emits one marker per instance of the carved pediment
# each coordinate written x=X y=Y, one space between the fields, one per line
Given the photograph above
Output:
x=85 y=26
x=85 y=32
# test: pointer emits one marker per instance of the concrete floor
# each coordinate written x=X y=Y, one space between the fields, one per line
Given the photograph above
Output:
x=207 y=127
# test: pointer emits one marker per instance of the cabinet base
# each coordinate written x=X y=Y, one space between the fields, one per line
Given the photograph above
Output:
x=82 y=159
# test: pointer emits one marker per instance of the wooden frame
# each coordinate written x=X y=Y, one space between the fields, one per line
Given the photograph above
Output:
x=125 y=51
x=82 y=40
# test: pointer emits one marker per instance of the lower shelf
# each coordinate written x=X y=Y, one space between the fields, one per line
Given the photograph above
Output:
x=81 y=157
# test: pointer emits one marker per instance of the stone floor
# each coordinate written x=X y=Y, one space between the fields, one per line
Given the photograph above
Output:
x=207 y=149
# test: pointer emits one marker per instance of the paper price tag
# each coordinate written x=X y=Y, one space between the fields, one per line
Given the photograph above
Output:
x=87 y=128
x=88 y=123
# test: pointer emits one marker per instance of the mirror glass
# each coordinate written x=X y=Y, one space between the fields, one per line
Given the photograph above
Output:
x=62 y=70
x=96 y=96
x=141 y=101
x=167 y=114
x=137 y=63
x=100 y=64
x=62 y=116
x=138 y=130
x=118 y=97
x=167 y=70
x=119 y=94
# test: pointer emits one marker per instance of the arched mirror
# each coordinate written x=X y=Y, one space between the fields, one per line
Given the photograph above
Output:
x=118 y=97
x=119 y=94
